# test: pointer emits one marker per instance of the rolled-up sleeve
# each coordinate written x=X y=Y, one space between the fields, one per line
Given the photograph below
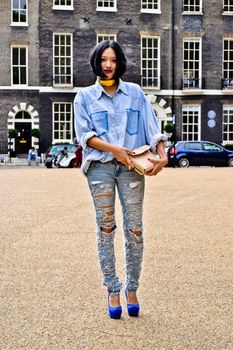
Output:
x=83 y=125
x=152 y=129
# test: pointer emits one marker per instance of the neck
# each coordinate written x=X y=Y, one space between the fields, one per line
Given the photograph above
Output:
x=107 y=82
x=110 y=86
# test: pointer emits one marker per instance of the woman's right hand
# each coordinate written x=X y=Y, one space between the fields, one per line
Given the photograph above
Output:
x=122 y=155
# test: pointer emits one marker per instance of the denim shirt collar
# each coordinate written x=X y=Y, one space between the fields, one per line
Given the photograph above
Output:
x=100 y=90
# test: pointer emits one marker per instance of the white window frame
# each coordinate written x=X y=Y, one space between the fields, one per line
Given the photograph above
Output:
x=148 y=10
x=26 y=65
x=189 y=74
x=226 y=3
x=105 y=37
x=19 y=24
x=228 y=113
x=157 y=87
x=59 y=139
x=59 y=57
x=227 y=73
x=192 y=12
x=106 y=8
x=191 y=108
x=63 y=7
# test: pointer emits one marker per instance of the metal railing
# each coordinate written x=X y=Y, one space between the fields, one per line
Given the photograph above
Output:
x=151 y=82
x=193 y=83
x=4 y=154
x=63 y=80
x=227 y=83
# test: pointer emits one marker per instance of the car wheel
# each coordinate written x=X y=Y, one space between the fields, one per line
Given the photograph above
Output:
x=72 y=163
x=183 y=163
x=230 y=162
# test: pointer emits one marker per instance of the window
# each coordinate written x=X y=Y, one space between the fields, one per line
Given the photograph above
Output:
x=23 y=115
x=228 y=6
x=228 y=124
x=210 y=147
x=150 y=62
x=190 y=123
x=19 y=12
x=62 y=60
x=63 y=5
x=192 y=63
x=193 y=146
x=62 y=122
x=192 y=6
x=102 y=37
x=106 y=5
x=19 y=65
x=150 y=6
x=228 y=63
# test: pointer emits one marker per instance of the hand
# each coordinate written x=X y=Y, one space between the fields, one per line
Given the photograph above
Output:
x=121 y=154
x=159 y=164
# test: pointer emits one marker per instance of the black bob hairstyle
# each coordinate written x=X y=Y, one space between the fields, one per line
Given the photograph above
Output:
x=97 y=54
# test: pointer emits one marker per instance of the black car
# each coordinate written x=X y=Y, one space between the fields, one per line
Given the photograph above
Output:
x=186 y=153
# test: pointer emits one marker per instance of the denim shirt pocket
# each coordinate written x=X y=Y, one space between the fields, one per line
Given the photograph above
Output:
x=132 y=121
x=100 y=122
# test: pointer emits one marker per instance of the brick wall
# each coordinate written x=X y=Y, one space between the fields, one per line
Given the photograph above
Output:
x=27 y=35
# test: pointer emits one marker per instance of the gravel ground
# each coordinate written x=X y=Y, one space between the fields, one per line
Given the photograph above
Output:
x=51 y=290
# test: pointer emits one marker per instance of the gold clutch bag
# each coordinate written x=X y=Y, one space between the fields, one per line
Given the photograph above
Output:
x=140 y=159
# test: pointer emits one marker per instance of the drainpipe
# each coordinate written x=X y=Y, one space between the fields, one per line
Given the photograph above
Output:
x=173 y=70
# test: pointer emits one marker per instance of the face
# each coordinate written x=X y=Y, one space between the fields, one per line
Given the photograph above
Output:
x=109 y=62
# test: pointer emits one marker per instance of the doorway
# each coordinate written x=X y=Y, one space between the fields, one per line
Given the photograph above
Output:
x=23 y=142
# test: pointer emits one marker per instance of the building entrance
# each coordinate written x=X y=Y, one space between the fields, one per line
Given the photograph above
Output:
x=23 y=141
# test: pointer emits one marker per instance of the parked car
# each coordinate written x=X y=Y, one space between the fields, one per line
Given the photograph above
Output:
x=186 y=153
x=54 y=151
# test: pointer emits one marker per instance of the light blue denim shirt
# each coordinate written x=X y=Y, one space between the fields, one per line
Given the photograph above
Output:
x=126 y=119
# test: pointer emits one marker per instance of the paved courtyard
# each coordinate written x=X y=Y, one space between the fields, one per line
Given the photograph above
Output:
x=52 y=297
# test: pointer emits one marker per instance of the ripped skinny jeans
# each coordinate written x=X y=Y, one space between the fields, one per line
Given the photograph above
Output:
x=103 y=179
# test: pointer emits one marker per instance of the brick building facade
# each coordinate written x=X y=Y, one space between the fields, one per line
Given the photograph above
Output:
x=180 y=52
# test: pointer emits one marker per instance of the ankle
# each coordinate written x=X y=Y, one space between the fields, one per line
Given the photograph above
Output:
x=132 y=297
x=114 y=300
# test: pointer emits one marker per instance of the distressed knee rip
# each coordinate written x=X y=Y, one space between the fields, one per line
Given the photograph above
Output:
x=105 y=213
x=135 y=239
x=136 y=232
x=108 y=225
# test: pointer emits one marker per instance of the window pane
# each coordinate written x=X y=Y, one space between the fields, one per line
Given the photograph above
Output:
x=15 y=4
x=15 y=16
x=15 y=75
x=23 y=56
x=23 y=4
x=15 y=56
x=23 y=17
x=23 y=76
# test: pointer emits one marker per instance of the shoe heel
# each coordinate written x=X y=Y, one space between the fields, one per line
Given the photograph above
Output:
x=133 y=309
x=114 y=312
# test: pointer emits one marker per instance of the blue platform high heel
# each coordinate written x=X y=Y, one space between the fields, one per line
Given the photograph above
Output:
x=114 y=312
x=133 y=309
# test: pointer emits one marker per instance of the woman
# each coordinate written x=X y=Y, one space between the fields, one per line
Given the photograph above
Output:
x=112 y=118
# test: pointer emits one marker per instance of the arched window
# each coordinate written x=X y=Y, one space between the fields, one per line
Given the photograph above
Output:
x=22 y=115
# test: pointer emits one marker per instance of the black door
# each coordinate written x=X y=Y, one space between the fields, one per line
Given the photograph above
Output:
x=23 y=141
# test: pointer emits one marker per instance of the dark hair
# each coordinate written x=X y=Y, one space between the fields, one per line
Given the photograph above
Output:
x=97 y=54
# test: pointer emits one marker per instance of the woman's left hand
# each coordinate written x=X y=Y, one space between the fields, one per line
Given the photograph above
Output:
x=159 y=164
x=162 y=160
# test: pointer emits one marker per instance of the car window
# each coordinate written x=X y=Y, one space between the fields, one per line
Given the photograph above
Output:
x=58 y=148
x=211 y=147
x=194 y=146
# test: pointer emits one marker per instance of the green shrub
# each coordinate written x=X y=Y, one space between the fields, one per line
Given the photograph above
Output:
x=12 y=133
x=169 y=128
x=229 y=146
x=35 y=133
